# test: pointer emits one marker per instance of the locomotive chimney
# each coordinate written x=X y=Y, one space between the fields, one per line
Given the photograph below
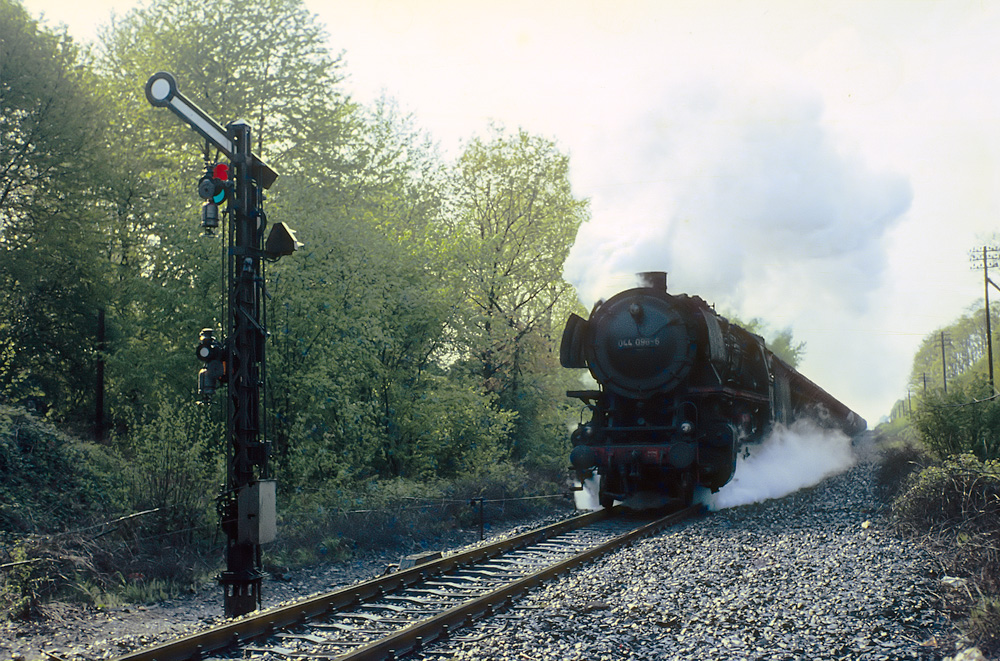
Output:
x=654 y=280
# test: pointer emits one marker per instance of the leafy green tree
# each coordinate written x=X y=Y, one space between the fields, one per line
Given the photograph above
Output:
x=361 y=320
x=268 y=63
x=780 y=342
x=966 y=418
x=510 y=223
x=965 y=351
x=51 y=158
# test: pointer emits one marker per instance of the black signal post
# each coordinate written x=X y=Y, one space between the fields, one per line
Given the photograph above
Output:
x=246 y=505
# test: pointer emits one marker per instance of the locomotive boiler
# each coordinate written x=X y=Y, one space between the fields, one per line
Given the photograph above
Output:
x=681 y=392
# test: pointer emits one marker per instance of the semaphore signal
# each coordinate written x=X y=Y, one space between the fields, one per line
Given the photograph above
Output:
x=246 y=506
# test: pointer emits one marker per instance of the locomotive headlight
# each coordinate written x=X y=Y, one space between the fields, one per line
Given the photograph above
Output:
x=686 y=427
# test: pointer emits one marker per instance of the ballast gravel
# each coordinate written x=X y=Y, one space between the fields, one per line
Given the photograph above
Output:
x=814 y=575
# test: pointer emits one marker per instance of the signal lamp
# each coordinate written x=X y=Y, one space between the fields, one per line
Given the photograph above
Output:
x=281 y=241
x=212 y=353
x=208 y=347
x=209 y=217
x=212 y=186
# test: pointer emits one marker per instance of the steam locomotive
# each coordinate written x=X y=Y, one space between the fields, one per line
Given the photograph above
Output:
x=682 y=392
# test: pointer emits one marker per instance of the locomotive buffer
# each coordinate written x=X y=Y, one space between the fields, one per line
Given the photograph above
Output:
x=247 y=503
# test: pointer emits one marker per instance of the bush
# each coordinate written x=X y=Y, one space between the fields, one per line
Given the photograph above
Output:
x=49 y=480
x=962 y=494
x=174 y=465
x=899 y=457
x=965 y=419
x=956 y=506
x=83 y=521
x=134 y=521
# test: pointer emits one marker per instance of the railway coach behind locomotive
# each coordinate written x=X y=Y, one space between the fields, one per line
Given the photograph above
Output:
x=681 y=391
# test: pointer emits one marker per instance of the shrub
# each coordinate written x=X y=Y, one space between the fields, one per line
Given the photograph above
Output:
x=962 y=494
x=956 y=506
x=899 y=457
x=49 y=480
x=83 y=521
x=174 y=466
x=965 y=419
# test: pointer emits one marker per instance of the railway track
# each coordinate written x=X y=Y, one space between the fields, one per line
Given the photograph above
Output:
x=404 y=611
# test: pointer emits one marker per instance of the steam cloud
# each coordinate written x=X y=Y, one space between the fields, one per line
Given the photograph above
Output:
x=586 y=497
x=789 y=459
x=744 y=196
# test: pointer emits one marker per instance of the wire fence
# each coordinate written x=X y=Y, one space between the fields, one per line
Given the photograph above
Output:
x=113 y=525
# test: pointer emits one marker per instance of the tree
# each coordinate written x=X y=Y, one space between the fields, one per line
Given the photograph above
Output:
x=780 y=342
x=361 y=320
x=51 y=159
x=511 y=221
x=266 y=62
x=964 y=350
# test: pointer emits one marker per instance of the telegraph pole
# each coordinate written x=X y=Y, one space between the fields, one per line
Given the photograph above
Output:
x=944 y=365
x=246 y=506
x=990 y=257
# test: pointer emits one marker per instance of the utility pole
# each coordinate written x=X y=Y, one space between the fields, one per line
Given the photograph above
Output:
x=944 y=365
x=246 y=506
x=990 y=257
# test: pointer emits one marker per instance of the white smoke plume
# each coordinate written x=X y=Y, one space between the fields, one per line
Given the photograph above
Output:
x=746 y=198
x=789 y=459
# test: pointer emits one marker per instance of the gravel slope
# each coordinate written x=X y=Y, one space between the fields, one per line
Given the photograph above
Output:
x=811 y=576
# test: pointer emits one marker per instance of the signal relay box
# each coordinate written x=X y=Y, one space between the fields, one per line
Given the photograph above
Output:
x=258 y=519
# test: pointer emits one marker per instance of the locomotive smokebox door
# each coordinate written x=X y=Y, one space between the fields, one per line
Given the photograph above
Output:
x=257 y=513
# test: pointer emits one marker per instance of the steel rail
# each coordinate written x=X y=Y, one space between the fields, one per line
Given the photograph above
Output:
x=262 y=624
x=437 y=628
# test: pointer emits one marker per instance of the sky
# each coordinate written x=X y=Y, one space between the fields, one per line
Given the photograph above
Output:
x=823 y=166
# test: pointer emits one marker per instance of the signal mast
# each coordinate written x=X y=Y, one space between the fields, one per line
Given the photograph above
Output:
x=246 y=506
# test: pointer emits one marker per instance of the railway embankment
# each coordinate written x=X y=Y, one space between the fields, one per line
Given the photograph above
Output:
x=817 y=574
